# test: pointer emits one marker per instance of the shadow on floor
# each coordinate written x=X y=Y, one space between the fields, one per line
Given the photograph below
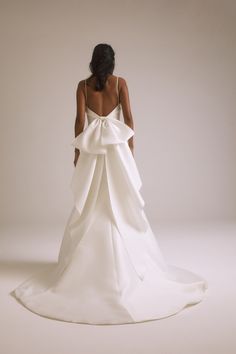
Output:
x=17 y=268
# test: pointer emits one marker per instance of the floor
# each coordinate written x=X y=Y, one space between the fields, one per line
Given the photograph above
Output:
x=206 y=328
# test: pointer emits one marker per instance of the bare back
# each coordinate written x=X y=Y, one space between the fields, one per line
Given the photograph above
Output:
x=105 y=101
x=102 y=102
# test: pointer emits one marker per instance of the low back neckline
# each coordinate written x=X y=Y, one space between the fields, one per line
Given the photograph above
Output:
x=117 y=106
x=102 y=115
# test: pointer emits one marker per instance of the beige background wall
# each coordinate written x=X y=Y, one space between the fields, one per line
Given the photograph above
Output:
x=178 y=58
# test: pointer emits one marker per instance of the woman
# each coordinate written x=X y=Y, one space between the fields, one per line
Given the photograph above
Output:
x=110 y=269
x=104 y=89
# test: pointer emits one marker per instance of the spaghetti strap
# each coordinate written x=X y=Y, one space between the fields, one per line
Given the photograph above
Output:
x=85 y=86
x=117 y=88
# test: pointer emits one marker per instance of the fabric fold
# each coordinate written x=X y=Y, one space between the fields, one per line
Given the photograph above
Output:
x=125 y=200
x=107 y=140
x=110 y=269
x=100 y=134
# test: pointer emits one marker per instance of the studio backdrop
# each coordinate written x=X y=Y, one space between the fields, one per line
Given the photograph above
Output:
x=178 y=59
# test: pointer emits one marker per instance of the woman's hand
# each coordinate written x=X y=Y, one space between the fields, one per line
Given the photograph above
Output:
x=77 y=153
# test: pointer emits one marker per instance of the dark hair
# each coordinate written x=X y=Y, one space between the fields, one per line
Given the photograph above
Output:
x=102 y=64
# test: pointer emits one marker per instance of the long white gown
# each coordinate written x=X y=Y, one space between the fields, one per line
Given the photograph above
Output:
x=110 y=269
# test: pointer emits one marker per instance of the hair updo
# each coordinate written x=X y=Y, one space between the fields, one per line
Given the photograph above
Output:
x=102 y=64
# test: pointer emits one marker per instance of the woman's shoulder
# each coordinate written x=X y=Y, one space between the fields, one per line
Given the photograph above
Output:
x=121 y=80
x=80 y=84
x=122 y=83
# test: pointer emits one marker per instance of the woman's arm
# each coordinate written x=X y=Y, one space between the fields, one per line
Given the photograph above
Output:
x=125 y=103
x=80 y=114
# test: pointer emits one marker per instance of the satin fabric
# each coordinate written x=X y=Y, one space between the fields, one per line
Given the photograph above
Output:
x=110 y=269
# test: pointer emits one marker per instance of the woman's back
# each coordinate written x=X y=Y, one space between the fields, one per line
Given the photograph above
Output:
x=105 y=101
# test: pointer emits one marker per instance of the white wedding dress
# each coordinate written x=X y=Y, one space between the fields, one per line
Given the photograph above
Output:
x=110 y=269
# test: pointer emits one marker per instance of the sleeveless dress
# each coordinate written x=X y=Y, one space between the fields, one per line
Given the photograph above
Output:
x=110 y=269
